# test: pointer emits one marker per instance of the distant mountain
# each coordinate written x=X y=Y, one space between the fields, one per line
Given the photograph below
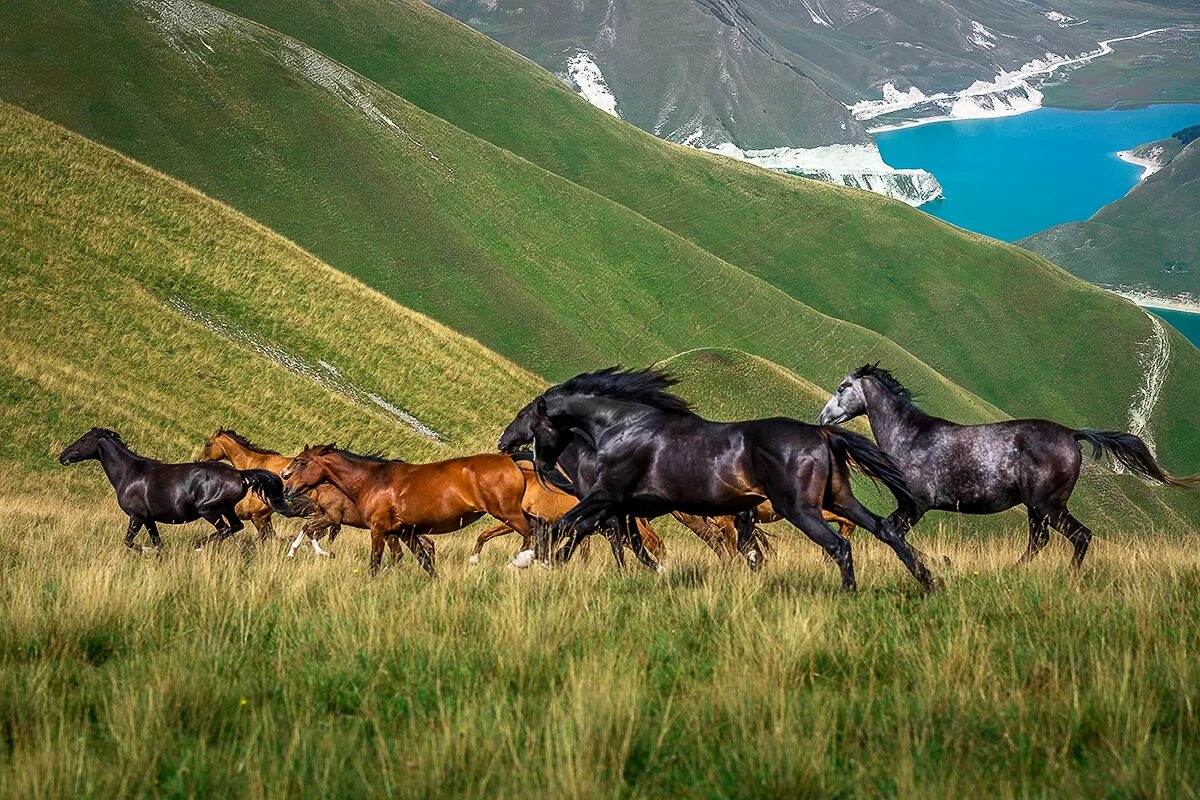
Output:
x=796 y=85
x=1146 y=243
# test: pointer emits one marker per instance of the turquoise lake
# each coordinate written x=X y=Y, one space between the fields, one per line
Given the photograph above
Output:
x=1014 y=176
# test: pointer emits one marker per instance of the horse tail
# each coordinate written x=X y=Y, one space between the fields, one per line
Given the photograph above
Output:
x=554 y=477
x=1131 y=453
x=269 y=488
x=861 y=453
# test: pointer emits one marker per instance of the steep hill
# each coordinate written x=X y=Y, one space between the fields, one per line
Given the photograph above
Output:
x=971 y=308
x=133 y=302
x=560 y=236
x=1146 y=242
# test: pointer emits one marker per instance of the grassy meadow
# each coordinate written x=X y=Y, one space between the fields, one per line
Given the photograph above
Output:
x=238 y=673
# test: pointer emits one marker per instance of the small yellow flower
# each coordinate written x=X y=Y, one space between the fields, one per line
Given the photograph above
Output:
x=356 y=570
x=976 y=573
x=244 y=701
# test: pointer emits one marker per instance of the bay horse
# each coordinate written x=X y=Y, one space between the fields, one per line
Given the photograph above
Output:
x=333 y=509
x=718 y=533
x=985 y=469
x=653 y=454
x=404 y=502
x=151 y=491
x=546 y=503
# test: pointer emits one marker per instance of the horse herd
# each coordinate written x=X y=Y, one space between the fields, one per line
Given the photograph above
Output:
x=613 y=449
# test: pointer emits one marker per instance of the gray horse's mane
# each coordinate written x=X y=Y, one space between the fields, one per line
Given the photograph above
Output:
x=645 y=386
x=886 y=379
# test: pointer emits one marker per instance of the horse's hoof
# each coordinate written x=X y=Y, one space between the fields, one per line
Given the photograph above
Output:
x=946 y=561
x=329 y=554
x=660 y=569
x=522 y=560
x=473 y=561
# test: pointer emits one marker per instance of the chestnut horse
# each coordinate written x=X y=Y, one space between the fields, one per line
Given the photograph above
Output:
x=546 y=503
x=333 y=508
x=403 y=501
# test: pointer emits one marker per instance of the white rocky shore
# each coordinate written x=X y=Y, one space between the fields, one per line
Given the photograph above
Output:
x=856 y=166
x=1180 y=302
x=1009 y=93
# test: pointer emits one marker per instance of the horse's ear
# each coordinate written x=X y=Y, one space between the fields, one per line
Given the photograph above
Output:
x=539 y=406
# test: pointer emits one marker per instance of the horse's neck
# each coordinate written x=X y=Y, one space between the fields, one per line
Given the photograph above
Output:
x=594 y=415
x=118 y=461
x=350 y=476
x=893 y=420
x=243 y=457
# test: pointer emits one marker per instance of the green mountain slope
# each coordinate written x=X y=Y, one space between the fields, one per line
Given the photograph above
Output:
x=134 y=302
x=560 y=236
x=973 y=309
x=1148 y=241
x=544 y=271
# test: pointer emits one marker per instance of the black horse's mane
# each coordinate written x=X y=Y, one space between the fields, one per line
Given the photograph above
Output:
x=246 y=443
x=644 y=386
x=106 y=433
x=886 y=379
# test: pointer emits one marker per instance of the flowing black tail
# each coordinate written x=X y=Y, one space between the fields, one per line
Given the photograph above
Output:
x=861 y=453
x=1132 y=454
x=555 y=478
x=269 y=487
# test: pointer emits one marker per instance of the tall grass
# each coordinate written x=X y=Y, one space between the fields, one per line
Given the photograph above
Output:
x=236 y=672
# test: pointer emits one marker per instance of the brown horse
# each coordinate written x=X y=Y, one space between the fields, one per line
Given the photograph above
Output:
x=333 y=508
x=720 y=533
x=546 y=503
x=401 y=502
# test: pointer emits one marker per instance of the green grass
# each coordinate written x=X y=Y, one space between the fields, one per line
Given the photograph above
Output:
x=97 y=254
x=564 y=239
x=237 y=673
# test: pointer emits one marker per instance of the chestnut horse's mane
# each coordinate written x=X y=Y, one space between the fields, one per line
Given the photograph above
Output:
x=374 y=456
x=246 y=443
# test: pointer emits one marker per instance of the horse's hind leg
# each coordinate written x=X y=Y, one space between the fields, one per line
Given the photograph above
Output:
x=1079 y=534
x=424 y=554
x=266 y=529
x=1039 y=535
x=496 y=531
x=638 y=545
x=747 y=540
x=131 y=533
x=809 y=520
x=155 y=539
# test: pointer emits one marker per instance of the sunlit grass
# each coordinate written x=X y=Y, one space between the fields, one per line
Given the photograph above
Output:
x=237 y=672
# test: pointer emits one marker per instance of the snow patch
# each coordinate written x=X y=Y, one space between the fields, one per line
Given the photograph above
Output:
x=1007 y=94
x=606 y=36
x=981 y=37
x=184 y=25
x=856 y=166
x=349 y=87
x=812 y=7
x=588 y=78
x=1155 y=359
x=323 y=373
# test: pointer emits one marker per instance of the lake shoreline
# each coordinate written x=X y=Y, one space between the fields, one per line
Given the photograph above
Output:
x=1183 y=303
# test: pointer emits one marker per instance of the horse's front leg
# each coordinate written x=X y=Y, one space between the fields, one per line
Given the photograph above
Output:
x=131 y=533
x=580 y=521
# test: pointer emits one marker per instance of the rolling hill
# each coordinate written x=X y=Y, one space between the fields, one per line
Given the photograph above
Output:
x=1148 y=241
x=133 y=302
x=385 y=143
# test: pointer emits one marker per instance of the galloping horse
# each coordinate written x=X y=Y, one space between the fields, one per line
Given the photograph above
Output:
x=403 y=501
x=985 y=469
x=150 y=491
x=719 y=533
x=653 y=454
x=545 y=503
x=333 y=508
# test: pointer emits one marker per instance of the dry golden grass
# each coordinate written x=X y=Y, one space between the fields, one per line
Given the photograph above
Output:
x=237 y=672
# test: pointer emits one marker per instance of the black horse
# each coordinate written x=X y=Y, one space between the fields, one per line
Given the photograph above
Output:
x=150 y=491
x=653 y=454
x=984 y=469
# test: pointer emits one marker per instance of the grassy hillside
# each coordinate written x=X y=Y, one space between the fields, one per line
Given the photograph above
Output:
x=971 y=308
x=535 y=266
x=1148 y=240
x=133 y=302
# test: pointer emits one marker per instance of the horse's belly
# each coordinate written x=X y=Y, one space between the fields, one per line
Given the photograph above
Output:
x=987 y=502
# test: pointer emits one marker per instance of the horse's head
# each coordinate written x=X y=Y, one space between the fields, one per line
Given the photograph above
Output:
x=307 y=470
x=847 y=402
x=549 y=439
x=213 y=450
x=519 y=432
x=86 y=446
